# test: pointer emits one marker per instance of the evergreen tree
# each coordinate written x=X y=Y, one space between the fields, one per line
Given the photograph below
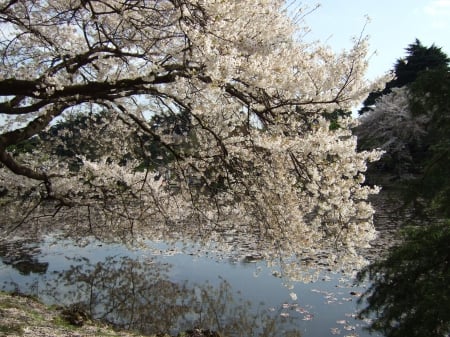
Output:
x=409 y=293
x=419 y=58
x=431 y=96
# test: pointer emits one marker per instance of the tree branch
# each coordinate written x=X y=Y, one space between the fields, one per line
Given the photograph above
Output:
x=33 y=127
x=19 y=169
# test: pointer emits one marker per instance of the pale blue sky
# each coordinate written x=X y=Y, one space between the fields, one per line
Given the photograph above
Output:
x=394 y=24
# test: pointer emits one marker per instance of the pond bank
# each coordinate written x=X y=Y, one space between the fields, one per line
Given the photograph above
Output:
x=25 y=316
x=22 y=315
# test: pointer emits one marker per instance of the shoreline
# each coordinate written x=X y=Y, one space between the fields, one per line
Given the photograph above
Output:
x=22 y=315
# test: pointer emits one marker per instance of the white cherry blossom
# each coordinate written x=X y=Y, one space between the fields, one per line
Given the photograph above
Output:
x=257 y=161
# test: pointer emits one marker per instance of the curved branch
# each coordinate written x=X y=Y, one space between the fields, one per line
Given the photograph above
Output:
x=9 y=108
x=19 y=169
x=33 y=127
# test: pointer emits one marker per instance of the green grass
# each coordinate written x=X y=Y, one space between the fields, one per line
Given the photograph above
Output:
x=6 y=330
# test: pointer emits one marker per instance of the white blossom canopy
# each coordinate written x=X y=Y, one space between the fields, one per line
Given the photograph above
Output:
x=255 y=155
x=392 y=125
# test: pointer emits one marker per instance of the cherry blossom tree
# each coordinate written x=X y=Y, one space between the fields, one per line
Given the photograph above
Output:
x=393 y=127
x=256 y=157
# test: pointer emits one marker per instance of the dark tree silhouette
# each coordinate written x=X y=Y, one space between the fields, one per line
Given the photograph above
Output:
x=409 y=289
x=406 y=70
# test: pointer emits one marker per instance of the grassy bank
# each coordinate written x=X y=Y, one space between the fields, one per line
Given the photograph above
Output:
x=26 y=316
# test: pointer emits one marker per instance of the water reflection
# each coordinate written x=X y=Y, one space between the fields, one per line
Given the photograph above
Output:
x=136 y=294
x=21 y=255
x=129 y=293
x=139 y=290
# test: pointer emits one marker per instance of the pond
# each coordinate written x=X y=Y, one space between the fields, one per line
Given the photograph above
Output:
x=161 y=288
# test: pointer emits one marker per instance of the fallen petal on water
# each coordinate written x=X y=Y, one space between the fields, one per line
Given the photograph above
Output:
x=308 y=317
x=335 y=331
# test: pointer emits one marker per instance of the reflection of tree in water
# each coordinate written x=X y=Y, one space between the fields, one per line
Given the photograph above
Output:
x=219 y=309
x=137 y=295
x=21 y=255
x=131 y=294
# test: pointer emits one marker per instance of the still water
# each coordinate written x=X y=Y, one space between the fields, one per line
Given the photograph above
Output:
x=158 y=288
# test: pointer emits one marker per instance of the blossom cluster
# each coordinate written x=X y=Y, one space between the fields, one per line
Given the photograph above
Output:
x=256 y=156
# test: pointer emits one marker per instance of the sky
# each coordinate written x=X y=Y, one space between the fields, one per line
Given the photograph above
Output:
x=393 y=25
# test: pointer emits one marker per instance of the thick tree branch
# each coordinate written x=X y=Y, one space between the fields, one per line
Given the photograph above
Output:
x=8 y=108
x=36 y=88
x=33 y=127
x=17 y=87
x=19 y=169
